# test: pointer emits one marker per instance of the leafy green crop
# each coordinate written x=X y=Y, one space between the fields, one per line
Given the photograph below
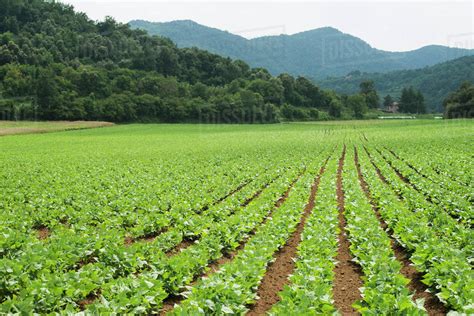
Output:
x=122 y=219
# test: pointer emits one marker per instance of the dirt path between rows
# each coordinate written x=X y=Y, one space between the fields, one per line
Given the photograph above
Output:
x=150 y=237
x=188 y=242
x=347 y=279
x=432 y=304
x=170 y=302
x=276 y=276
x=424 y=193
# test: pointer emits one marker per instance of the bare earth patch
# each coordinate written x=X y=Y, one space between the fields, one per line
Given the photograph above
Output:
x=24 y=127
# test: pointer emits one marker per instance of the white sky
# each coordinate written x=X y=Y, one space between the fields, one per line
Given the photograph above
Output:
x=388 y=25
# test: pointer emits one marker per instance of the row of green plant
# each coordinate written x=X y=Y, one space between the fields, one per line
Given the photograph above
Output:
x=233 y=288
x=120 y=261
x=443 y=254
x=457 y=180
x=311 y=283
x=443 y=225
x=385 y=290
x=448 y=199
x=178 y=271
x=55 y=202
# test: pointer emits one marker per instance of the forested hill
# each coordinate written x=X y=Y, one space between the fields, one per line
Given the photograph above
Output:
x=317 y=53
x=435 y=82
x=56 y=63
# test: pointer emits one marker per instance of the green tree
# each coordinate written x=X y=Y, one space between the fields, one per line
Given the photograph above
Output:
x=47 y=94
x=387 y=101
x=460 y=103
x=412 y=101
x=367 y=89
x=335 y=108
x=357 y=104
x=16 y=83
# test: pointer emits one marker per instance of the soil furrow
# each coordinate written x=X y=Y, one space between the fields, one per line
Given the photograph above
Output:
x=432 y=304
x=426 y=196
x=240 y=187
x=363 y=134
x=185 y=243
x=379 y=173
x=42 y=232
x=257 y=194
x=172 y=300
x=407 y=163
x=188 y=242
x=151 y=236
x=276 y=276
x=399 y=174
x=347 y=279
x=91 y=298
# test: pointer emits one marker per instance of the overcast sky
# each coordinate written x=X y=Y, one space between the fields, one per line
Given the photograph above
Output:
x=394 y=26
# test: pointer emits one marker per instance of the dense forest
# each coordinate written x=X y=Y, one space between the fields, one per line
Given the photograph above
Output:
x=57 y=64
x=435 y=82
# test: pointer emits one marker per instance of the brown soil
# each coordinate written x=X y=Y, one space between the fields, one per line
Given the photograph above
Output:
x=276 y=276
x=257 y=194
x=43 y=232
x=413 y=186
x=181 y=246
x=172 y=300
x=56 y=126
x=91 y=298
x=432 y=304
x=240 y=187
x=85 y=260
x=401 y=176
x=128 y=240
x=379 y=174
x=347 y=279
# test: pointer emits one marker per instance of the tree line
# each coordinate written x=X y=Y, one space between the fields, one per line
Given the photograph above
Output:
x=56 y=64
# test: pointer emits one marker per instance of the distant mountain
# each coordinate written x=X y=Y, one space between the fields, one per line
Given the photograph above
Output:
x=435 y=82
x=317 y=53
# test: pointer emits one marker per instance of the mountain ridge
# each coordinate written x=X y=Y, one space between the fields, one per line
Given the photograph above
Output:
x=318 y=53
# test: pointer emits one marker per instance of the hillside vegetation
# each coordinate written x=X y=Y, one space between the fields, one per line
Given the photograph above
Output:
x=317 y=53
x=434 y=82
x=57 y=64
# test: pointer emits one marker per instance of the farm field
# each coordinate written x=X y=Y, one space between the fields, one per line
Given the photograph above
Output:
x=348 y=217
